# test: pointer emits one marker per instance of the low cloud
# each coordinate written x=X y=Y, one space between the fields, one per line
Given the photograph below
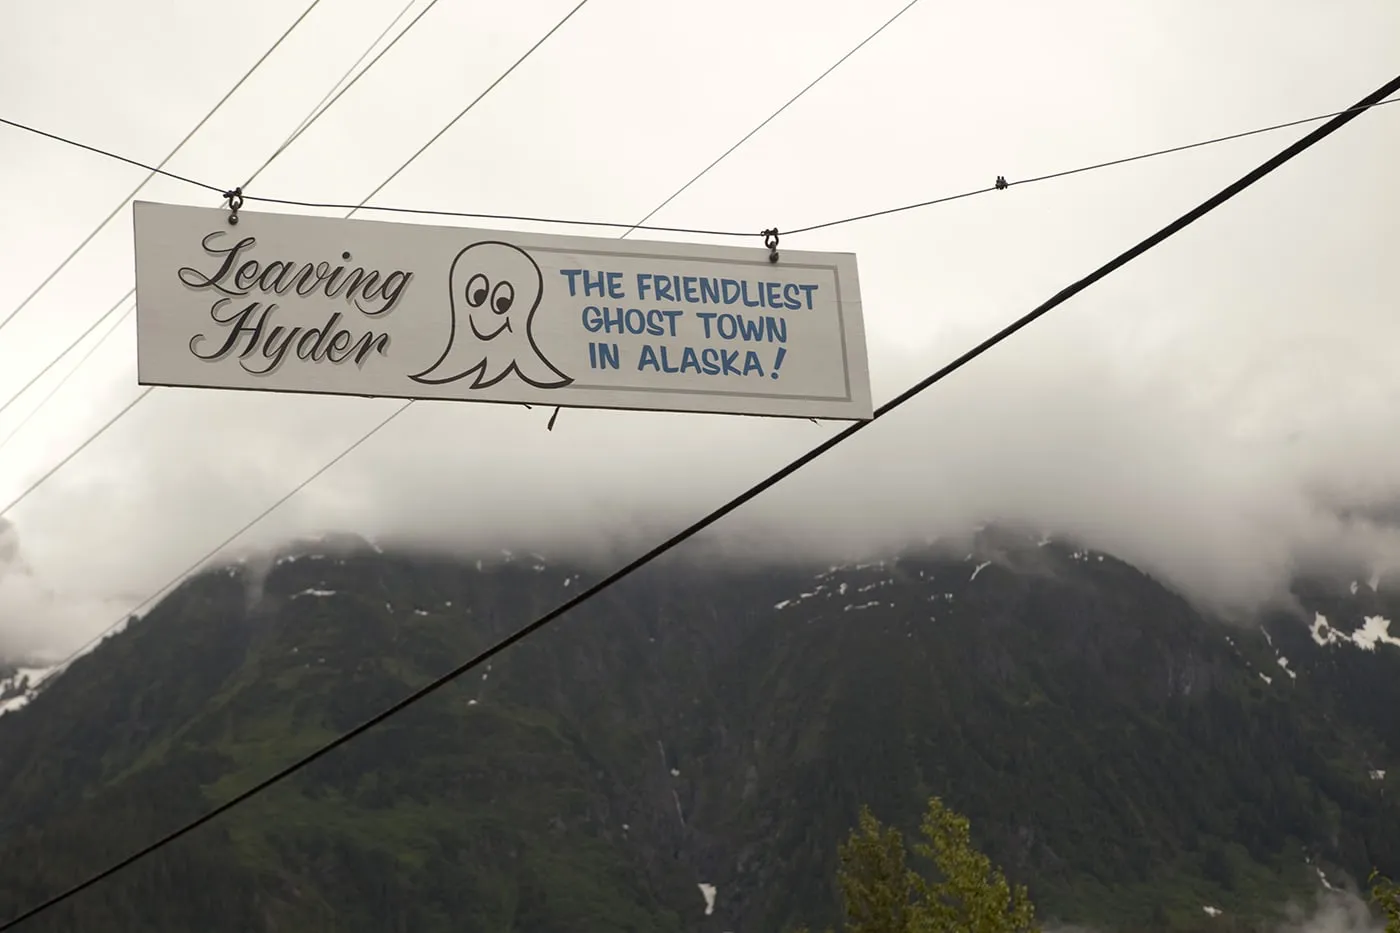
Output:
x=37 y=624
x=1336 y=912
x=1225 y=489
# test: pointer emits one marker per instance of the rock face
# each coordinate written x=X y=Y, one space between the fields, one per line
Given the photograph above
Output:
x=685 y=752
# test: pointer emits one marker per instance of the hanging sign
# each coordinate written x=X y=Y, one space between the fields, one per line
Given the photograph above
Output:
x=294 y=303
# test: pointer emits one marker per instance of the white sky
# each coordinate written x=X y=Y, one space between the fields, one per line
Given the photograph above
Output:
x=1205 y=412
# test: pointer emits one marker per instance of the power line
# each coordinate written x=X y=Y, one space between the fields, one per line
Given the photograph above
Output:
x=468 y=108
x=641 y=224
x=77 y=450
x=66 y=376
x=775 y=114
x=312 y=116
x=214 y=552
x=1094 y=167
x=704 y=231
x=743 y=498
x=375 y=430
x=153 y=170
x=65 y=351
x=318 y=110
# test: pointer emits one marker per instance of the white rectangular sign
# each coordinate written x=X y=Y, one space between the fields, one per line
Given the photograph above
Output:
x=292 y=303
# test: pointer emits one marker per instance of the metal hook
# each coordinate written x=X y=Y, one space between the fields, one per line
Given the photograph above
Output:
x=770 y=240
x=235 y=201
x=550 y=426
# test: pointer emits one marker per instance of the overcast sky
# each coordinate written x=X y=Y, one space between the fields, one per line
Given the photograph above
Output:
x=1207 y=412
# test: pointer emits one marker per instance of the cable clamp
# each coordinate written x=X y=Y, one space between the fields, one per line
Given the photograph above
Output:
x=235 y=201
x=1002 y=184
x=770 y=240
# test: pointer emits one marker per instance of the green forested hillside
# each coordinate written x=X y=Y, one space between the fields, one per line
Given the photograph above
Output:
x=1130 y=760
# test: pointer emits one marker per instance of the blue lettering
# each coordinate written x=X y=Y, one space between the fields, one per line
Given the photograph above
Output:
x=615 y=286
x=690 y=361
x=605 y=355
x=570 y=274
x=658 y=322
x=710 y=290
x=593 y=286
x=709 y=361
x=733 y=326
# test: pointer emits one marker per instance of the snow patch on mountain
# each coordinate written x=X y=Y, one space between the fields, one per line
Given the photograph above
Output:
x=1374 y=631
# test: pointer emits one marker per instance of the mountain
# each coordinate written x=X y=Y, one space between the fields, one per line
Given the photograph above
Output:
x=685 y=751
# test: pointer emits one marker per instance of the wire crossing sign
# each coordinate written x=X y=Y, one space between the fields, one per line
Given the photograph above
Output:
x=293 y=303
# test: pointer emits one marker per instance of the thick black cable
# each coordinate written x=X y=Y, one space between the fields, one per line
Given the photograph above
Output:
x=1122 y=259
x=703 y=231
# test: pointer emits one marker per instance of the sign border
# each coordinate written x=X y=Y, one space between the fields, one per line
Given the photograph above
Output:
x=683 y=401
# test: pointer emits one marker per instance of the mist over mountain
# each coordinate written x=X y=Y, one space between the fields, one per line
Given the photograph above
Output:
x=707 y=725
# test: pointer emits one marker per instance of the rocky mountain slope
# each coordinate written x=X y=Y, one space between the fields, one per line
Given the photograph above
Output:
x=685 y=752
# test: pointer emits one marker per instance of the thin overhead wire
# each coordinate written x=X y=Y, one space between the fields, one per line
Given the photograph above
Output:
x=706 y=231
x=328 y=101
x=775 y=114
x=65 y=351
x=469 y=107
x=97 y=345
x=215 y=551
x=311 y=117
x=76 y=450
x=733 y=504
x=153 y=170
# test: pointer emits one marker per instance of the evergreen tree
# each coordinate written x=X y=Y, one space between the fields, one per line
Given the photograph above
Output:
x=964 y=892
x=1386 y=894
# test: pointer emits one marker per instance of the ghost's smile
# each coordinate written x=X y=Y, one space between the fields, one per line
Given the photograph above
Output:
x=505 y=326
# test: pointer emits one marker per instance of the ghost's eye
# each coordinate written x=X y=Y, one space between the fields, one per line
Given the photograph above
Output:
x=502 y=297
x=477 y=287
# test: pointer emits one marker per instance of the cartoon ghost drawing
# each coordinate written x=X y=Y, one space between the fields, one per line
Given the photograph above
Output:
x=495 y=289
